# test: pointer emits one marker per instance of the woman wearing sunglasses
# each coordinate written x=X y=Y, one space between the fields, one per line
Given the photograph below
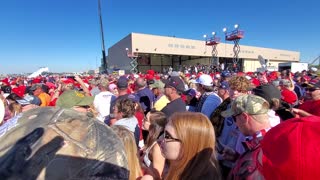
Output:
x=188 y=143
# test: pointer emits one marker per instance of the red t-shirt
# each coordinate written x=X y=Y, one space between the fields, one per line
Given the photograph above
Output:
x=312 y=107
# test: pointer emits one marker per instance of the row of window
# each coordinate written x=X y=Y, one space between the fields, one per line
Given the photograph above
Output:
x=181 y=46
x=248 y=52
x=286 y=55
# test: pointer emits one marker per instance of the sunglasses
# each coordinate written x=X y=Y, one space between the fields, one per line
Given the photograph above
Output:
x=234 y=117
x=166 y=137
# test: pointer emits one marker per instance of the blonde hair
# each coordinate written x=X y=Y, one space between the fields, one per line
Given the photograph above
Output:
x=130 y=146
x=197 y=154
x=15 y=108
x=240 y=83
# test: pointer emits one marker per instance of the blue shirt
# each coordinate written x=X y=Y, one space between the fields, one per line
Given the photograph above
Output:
x=210 y=104
x=146 y=98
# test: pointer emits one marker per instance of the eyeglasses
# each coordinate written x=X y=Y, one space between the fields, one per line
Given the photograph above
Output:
x=234 y=117
x=166 y=137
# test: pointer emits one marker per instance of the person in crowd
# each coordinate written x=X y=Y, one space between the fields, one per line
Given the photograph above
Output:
x=15 y=109
x=124 y=111
x=6 y=101
x=226 y=76
x=12 y=98
x=287 y=92
x=131 y=150
x=216 y=119
x=39 y=92
x=276 y=83
x=291 y=150
x=94 y=87
x=6 y=90
x=298 y=89
x=230 y=135
x=273 y=96
x=102 y=101
x=122 y=86
x=67 y=85
x=282 y=108
x=83 y=86
x=173 y=88
x=208 y=100
x=250 y=113
x=146 y=97
x=158 y=90
x=56 y=93
x=311 y=107
x=29 y=102
x=191 y=99
x=188 y=143
x=154 y=123
x=113 y=89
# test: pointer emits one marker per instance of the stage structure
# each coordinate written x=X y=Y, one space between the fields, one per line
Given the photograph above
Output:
x=213 y=42
x=234 y=36
x=134 y=60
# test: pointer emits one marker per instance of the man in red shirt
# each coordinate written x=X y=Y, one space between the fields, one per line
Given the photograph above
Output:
x=311 y=107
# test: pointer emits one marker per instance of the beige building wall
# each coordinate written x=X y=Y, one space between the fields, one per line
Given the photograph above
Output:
x=161 y=45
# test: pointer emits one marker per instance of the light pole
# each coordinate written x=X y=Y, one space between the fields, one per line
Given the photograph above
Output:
x=104 y=62
x=213 y=42
x=234 y=36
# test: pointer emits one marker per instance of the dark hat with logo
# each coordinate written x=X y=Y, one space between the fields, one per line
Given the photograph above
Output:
x=174 y=82
x=224 y=85
x=122 y=82
x=268 y=92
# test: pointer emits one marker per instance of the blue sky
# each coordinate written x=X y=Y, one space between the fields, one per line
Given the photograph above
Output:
x=64 y=34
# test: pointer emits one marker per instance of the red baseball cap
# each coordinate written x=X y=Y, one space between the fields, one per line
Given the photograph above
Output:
x=291 y=150
x=288 y=96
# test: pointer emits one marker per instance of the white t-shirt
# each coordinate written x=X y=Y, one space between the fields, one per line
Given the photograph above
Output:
x=102 y=103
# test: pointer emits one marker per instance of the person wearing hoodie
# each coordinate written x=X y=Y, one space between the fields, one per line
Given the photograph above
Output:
x=124 y=111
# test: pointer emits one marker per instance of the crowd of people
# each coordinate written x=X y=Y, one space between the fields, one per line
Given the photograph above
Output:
x=190 y=124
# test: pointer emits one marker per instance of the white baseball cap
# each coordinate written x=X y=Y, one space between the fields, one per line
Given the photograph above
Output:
x=205 y=80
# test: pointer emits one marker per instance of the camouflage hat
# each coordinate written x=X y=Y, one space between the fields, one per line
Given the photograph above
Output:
x=157 y=84
x=56 y=143
x=250 y=104
x=71 y=98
